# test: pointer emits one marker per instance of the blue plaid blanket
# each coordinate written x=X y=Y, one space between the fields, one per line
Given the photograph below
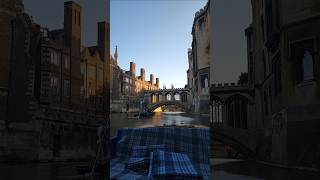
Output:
x=194 y=142
x=170 y=165
x=139 y=164
x=144 y=151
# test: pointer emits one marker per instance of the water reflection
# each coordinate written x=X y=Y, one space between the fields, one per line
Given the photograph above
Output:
x=120 y=120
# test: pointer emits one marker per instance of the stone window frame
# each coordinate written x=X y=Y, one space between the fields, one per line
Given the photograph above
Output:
x=314 y=52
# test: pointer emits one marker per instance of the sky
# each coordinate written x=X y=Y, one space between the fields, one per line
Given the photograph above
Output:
x=156 y=35
x=50 y=13
x=231 y=18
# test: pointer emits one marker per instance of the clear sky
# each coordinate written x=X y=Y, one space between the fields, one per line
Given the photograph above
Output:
x=156 y=35
x=50 y=13
x=231 y=18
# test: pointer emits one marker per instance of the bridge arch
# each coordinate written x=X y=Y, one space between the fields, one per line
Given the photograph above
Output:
x=154 y=106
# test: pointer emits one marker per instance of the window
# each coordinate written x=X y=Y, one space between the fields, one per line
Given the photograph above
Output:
x=44 y=32
x=168 y=97
x=66 y=61
x=66 y=87
x=307 y=66
x=54 y=84
x=302 y=54
x=55 y=57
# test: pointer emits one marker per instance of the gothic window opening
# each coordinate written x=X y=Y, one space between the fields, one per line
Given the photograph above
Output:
x=302 y=55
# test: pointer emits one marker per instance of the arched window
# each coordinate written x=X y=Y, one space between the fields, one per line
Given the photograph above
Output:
x=177 y=97
x=168 y=97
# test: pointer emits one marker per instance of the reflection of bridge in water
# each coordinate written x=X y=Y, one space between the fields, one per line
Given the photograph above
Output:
x=179 y=97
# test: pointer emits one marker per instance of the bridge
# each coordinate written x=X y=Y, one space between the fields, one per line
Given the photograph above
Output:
x=232 y=109
x=179 y=97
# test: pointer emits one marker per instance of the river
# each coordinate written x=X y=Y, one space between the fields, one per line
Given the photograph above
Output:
x=222 y=169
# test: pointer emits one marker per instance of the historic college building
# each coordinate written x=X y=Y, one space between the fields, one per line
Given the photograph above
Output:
x=127 y=88
x=54 y=92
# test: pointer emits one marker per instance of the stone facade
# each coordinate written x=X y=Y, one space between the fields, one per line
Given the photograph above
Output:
x=285 y=64
x=199 y=61
x=44 y=115
x=127 y=88
x=282 y=94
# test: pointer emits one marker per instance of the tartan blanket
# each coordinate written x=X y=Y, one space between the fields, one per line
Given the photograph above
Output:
x=139 y=164
x=144 y=151
x=170 y=165
x=194 y=142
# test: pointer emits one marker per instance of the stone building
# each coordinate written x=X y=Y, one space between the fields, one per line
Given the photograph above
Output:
x=284 y=56
x=199 y=61
x=127 y=88
x=43 y=114
x=281 y=99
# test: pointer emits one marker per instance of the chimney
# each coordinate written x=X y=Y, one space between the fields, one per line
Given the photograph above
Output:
x=72 y=25
x=143 y=74
x=103 y=40
x=132 y=69
x=157 y=82
x=151 y=78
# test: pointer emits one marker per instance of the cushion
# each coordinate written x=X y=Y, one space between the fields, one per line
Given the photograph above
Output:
x=171 y=165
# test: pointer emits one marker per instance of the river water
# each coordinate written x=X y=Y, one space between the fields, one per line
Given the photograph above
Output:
x=222 y=169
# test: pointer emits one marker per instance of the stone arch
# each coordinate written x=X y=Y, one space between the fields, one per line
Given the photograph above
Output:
x=176 y=96
x=237 y=110
x=168 y=96
x=154 y=106
x=184 y=97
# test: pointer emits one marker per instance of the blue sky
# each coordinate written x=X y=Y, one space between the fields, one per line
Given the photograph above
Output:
x=156 y=35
